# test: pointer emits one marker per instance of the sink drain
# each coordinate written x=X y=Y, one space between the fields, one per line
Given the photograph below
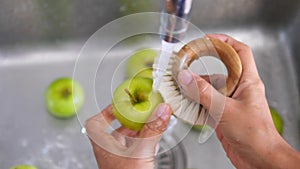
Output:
x=170 y=158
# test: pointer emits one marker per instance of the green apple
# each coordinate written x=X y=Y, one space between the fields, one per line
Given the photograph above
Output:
x=127 y=7
x=200 y=127
x=134 y=101
x=64 y=97
x=23 y=166
x=277 y=119
x=140 y=63
x=145 y=73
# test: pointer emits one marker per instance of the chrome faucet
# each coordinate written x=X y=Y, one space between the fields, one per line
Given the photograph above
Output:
x=174 y=19
x=173 y=26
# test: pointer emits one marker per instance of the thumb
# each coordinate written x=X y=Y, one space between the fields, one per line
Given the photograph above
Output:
x=157 y=122
x=203 y=92
x=152 y=131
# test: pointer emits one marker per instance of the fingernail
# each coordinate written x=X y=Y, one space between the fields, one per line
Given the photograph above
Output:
x=163 y=112
x=185 y=77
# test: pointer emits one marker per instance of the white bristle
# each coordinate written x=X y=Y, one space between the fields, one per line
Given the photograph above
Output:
x=184 y=104
x=175 y=102
x=178 y=113
x=168 y=72
x=195 y=112
x=191 y=113
x=167 y=78
x=172 y=94
x=201 y=118
x=168 y=83
x=183 y=107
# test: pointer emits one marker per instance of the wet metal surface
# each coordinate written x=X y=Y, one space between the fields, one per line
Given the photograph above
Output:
x=32 y=57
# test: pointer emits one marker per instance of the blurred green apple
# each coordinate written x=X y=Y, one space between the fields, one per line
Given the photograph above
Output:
x=134 y=101
x=277 y=119
x=23 y=166
x=140 y=63
x=200 y=127
x=64 y=97
x=145 y=73
x=127 y=7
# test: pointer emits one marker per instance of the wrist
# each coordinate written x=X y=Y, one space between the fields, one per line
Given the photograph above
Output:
x=280 y=155
x=138 y=163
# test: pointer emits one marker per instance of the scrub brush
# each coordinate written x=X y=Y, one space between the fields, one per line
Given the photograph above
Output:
x=183 y=106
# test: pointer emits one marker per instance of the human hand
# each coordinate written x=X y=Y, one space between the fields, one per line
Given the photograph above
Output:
x=124 y=148
x=244 y=123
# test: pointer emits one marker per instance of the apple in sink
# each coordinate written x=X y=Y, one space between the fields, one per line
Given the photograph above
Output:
x=64 y=96
x=277 y=119
x=134 y=101
x=23 y=166
x=140 y=63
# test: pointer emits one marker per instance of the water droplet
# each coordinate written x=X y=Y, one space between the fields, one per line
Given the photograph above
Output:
x=83 y=130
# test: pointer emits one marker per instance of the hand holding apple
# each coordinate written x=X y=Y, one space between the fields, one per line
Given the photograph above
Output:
x=124 y=147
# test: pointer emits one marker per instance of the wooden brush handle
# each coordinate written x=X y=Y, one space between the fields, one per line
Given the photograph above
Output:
x=214 y=47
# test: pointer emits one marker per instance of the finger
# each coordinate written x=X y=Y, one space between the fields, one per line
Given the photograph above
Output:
x=197 y=88
x=245 y=53
x=218 y=81
x=125 y=131
x=201 y=91
x=219 y=134
x=119 y=137
x=121 y=134
x=96 y=128
x=157 y=122
x=156 y=149
x=105 y=117
x=211 y=122
x=152 y=131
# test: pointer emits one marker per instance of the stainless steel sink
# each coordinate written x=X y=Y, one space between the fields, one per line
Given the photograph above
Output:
x=40 y=41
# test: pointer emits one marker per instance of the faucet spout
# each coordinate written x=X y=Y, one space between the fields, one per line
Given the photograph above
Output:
x=174 y=19
x=173 y=25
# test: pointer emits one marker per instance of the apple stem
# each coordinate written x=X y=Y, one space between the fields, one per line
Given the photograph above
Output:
x=66 y=93
x=132 y=98
x=149 y=64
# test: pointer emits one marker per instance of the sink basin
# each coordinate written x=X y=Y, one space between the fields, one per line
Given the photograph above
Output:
x=39 y=43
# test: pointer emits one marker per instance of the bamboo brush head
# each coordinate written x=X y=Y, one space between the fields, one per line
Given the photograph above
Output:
x=184 y=107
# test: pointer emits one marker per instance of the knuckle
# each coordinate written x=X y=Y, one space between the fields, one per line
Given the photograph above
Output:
x=258 y=83
x=245 y=46
x=155 y=127
x=89 y=122
x=253 y=81
x=203 y=87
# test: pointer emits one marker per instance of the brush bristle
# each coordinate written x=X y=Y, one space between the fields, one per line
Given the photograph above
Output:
x=183 y=107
